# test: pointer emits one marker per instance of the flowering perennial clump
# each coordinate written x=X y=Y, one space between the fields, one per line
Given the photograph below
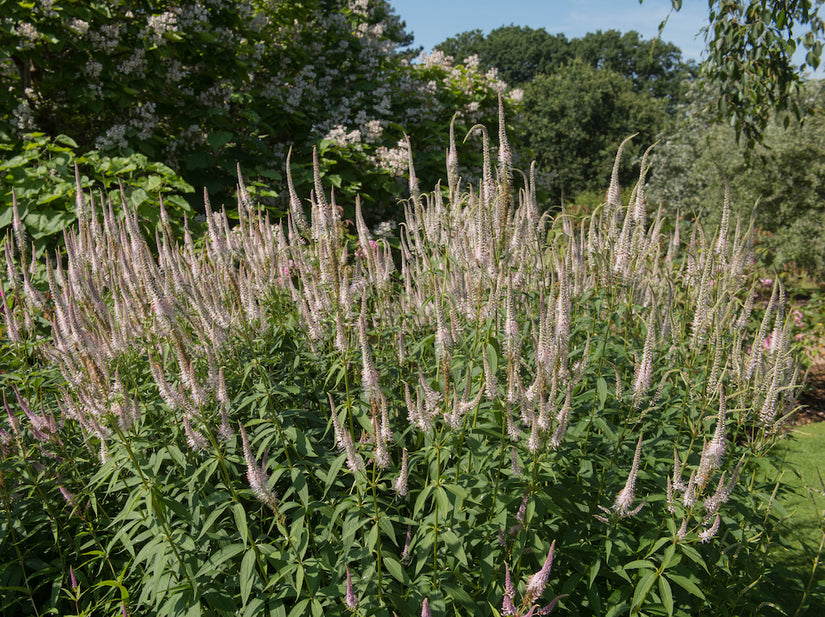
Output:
x=431 y=412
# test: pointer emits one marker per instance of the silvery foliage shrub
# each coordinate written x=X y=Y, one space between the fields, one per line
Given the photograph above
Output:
x=781 y=182
x=204 y=85
x=516 y=414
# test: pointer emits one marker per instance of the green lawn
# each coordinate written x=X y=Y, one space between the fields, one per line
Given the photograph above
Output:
x=803 y=455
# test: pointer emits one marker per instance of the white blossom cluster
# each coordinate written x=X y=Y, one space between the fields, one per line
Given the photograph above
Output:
x=46 y=8
x=115 y=137
x=93 y=69
x=145 y=122
x=339 y=134
x=192 y=17
x=28 y=35
x=80 y=26
x=394 y=160
x=134 y=64
x=158 y=25
x=107 y=38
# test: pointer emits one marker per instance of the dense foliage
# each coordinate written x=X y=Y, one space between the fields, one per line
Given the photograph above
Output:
x=575 y=131
x=204 y=86
x=749 y=59
x=783 y=179
x=527 y=408
x=521 y=54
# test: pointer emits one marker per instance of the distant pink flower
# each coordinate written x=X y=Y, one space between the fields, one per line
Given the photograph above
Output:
x=766 y=282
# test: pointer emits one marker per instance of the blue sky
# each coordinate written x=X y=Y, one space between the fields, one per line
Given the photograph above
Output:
x=432 y=21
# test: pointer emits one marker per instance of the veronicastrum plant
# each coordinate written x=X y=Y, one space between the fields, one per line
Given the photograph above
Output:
x=517 y=413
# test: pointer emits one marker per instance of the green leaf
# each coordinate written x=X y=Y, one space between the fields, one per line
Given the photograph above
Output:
x=223 y=555
x=442 y=500
x=395 y=569
x=299 y=610
x=219 y=138
x=240 y=521
x=601 y=389
x=422 y=499
x=247 y=575
x=687 y=584
x=694 y=556
x=457 y=594
x=640 y=563
x=455 y=546
x=642 y=589
x=594 y=571
x=666 y=595
x=386 y=526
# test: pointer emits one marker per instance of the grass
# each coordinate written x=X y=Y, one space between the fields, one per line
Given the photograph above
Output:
x=801 y=454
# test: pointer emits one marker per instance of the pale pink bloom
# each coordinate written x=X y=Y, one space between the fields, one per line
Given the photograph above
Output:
x=507 y=605
x=405 y=554
x=707 y=534
x=425 y=608
x=400 y=484
x=258 y=480
x=537 y=583
x=624 y=500
x=350 y=599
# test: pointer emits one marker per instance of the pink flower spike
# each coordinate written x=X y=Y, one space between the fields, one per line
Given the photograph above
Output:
x=507 y=606
x=425 y=608
x=75 y=584
x=350 y=598
x=537 y=582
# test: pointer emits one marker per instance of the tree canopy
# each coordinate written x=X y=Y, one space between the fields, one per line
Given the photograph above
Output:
x=521 y=53
x=575 y=120
x=749 y=58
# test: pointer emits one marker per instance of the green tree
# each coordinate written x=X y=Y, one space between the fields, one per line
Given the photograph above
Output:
x=750 y=46
x=575 y=119
x=784 y=178
x=518 y=52
x=653 y=66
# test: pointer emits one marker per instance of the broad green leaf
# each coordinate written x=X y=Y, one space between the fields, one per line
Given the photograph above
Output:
x=642 y=589
x=666 y=595
x=395 y=569
x=640 y=563
x=686 y=584
x=455 y=546
x=240 y=520
x=223 y=555
x=601 y=389
x=247 y=575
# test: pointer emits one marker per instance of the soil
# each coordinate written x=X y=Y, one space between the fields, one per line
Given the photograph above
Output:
x=812 y=398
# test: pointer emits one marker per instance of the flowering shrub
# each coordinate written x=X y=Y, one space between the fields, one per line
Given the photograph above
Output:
x=512 y=416
x=204 y=85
